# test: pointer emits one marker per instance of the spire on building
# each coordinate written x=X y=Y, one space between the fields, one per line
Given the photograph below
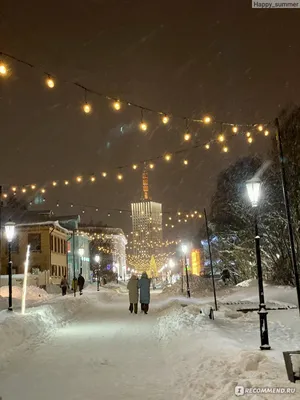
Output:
x=146 y=196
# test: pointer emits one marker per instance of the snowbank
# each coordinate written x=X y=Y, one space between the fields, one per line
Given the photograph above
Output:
x=199 y=286
x=33 y=293
x=247 y=283
x=37 y=324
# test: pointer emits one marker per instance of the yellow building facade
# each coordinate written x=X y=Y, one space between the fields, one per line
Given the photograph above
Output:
x=48 y=249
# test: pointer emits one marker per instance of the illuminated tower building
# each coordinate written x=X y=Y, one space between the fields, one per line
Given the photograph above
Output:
x=146 y=226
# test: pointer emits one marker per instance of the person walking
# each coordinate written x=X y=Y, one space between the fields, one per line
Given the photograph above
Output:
x=144 y=285
x=64 y=285
x=81 y=281
x=133 y=288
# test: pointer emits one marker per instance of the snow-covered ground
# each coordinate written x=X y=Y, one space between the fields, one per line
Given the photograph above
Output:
x=91 y=347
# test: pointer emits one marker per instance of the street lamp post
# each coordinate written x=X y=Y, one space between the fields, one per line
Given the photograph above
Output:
x=97 y=259
x=10 y=232
x=81 y=253
x=253 y=188
x=184 y=250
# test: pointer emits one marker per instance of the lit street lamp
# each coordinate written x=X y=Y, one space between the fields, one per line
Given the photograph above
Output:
x=10 y=233
x=254 y=189
x=184 y=249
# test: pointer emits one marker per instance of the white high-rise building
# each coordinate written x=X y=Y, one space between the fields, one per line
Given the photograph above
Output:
x=146 y=225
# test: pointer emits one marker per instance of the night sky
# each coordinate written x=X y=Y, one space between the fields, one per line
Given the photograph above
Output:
x=188 y=57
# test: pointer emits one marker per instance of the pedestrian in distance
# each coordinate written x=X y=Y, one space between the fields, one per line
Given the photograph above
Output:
x=144 y=286
x=74 y=284
x=81 y=281
x=133 y=288
x=64 y=285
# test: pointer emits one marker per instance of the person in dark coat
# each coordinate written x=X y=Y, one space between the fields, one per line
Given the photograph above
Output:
x=81 y=281
x=133 y=288
x=64 y=285
x=144 y=285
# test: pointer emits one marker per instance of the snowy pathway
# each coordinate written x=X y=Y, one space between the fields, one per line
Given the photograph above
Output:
x=173 y=353
x=107 y=353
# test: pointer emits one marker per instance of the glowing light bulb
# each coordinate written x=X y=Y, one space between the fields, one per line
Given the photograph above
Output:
x=14 y=189
x=79 y=179
x=134 y=166
x=221 y=138
x=179 y=213
x=235 y=129
x=207 y=120
x=87 y=108
x=3 y=69
x=267 y=133
x=23 y=190
x=250 y=140
x=165 y=119
x=168 y=157
x=33 y=187
x=43 y=190
x=66 y=183
x=170 y=218
x=207 y=146
x=54 y=183
x=151 y=166
x=104 y=174
x=50 y=82
x=120 y=177
x=5 y=195
x=187 y=136
x=260 y=128
x=93 y=179
x=225 y=149
x=143 y=126
x=117 y=105
x=248 y=134
x=185 y=162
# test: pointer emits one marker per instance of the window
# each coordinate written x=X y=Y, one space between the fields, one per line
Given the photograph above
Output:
x=35 y=270
x=34 y=239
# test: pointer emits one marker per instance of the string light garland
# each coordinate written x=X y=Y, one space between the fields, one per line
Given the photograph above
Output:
x=117 y=103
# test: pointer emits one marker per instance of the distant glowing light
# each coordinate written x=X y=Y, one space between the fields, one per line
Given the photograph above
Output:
x=3 y=69
x=207 y=120
x=23 y=190
x=43 y=190
x=33 y=187
x=267 y=133
x=248 y=134
x=54 y=183
x=151 y=166
x=185 y=162
x=134 y=166
x=260 y=128
x=117 y=105
x=221 y=138
x=14 y=189
x=104 y=174
x=235 y=129
x=165 y=119
x=66 y=183
x=79 y=179
x=187 y=136
x=207 y=146
x=50 y=82
x=93 y=178
x=225 y=149
x=119 y=177
x=168 y=157
x=250 y=140
x=87 y=108
x=143 y=126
